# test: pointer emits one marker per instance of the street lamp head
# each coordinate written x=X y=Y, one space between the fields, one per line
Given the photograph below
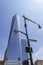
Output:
x=39 y=27
x=16 y=31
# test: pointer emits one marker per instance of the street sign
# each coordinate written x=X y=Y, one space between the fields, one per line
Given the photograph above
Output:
x=32 y=40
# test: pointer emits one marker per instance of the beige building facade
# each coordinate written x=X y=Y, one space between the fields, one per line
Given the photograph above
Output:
x=39 y=62
x=1 y=62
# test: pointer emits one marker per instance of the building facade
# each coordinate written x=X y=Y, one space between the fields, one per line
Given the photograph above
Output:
x=1 y=62
x=39 y=62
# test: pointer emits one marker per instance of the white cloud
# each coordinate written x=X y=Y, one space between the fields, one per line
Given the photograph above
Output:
x=38 y=55
x=38 y=1
x=3 y=46
x=1 y=56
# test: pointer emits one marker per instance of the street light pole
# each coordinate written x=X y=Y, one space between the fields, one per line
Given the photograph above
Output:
x=30 y=54
x=28 y=49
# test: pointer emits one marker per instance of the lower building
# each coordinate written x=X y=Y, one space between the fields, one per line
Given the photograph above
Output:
x=39 y=62
x=1 y=62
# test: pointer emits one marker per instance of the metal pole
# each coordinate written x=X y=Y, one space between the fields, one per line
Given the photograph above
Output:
x=30 y=54
x=32 y=21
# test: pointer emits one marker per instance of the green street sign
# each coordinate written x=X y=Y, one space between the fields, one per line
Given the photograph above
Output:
x=33 y=40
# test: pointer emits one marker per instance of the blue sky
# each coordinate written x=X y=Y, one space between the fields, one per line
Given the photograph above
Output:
x=33 y=9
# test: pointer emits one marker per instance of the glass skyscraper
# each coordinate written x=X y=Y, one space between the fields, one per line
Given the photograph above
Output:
x=16 y=46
